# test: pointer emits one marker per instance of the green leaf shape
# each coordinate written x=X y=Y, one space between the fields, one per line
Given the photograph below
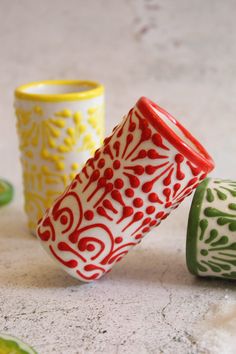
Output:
x=220 y=195
x=209 y=195
x=222 y=241
x=204 y=252
x=220 y=265
x=227 y=254
x=203 y=226
x=230 y=261
x=213 y=235
x=220 y=181
x=232 y=206
x=212 y=266
x=213 y=212
x=232 y=247
x=201 y=267
x=224 y=221
x=231 y=191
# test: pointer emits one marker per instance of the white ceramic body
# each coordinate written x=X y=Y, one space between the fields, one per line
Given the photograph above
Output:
x=132 y=183
x=56 y=136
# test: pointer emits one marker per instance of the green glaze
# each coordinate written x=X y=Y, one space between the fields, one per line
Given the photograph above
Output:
x=203 y=226
x=220 y=194
x=210 y=195
x=232 y=206
x=6 y=192
x=192 y=231
x=12 y=345
x=211 y=234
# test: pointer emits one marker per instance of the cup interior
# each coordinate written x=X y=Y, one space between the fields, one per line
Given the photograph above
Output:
x=57 y=89
x=176 y=128
x=176 y=134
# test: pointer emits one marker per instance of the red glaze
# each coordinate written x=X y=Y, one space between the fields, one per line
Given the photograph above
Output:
x=108 y=205
x=117 y=197
x=101 y=163
x=119 y=184
x=150 y=210
x=101 y=211
x=141 y=155
x=142 y=172
x=153 y=197
x=89 y=214
x=129 y=192
x=116 y=147
x=138 y=202
x=199 y=156
x=133 y=180
x=108 y=174
x=116 y=164
x=118 y=239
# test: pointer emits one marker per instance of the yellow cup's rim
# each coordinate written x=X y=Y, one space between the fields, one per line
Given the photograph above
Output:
x=95 y=89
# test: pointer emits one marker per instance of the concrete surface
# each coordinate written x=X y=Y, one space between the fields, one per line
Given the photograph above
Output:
x=182 y=55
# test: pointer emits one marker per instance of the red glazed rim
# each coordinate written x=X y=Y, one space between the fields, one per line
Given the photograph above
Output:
x=199 y=157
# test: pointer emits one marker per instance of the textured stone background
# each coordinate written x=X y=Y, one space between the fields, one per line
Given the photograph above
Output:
x=182 y=55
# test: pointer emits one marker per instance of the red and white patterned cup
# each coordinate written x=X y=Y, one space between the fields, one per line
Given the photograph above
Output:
x=145 y=169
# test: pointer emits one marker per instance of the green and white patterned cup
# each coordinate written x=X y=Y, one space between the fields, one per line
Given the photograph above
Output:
x=211 y=235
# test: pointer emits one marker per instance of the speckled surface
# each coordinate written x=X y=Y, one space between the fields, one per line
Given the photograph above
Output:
x=182 y=55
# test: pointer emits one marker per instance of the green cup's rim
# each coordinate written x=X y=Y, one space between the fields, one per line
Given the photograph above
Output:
x=7 y=195
x=192 y=228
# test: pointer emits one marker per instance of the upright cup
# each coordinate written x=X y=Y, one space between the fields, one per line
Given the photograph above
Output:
x=144 y=170
x=60 y=124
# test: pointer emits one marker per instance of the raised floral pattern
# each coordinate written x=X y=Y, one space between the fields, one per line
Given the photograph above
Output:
x=132 y=183
x=54 y=146
x=216 y=238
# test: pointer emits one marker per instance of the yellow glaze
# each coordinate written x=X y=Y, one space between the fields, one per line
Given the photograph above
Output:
x=94 y=89
x=46 y=134
x=75 y=166
x=50 y=150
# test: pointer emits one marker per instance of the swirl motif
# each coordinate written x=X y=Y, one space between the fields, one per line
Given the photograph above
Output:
x=46 y=229
x=68 y=212
x=62 y=216
x=132 y=183
x=81 y=246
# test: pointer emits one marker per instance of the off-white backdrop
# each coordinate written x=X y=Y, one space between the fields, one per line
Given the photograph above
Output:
x=182 y=54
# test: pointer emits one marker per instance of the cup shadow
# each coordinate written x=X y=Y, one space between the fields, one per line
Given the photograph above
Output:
x=13 y=223
x=143 y=266
x=40 y=275
x=164 y=266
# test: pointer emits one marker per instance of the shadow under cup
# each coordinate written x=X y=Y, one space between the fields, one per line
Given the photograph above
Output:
x=60 y=124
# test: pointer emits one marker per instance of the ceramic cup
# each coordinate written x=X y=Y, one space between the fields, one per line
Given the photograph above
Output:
x=60 y=125
x=211 y=236
x=146 y=167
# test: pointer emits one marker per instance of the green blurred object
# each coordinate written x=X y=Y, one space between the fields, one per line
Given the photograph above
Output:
x=12 y=345
x=6 y=192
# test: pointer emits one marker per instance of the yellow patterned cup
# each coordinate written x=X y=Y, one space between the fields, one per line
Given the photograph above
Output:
x=60 y=124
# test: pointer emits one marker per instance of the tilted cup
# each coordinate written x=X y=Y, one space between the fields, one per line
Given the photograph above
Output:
x=146 y=167
x=60 y=125
x=211 y=236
